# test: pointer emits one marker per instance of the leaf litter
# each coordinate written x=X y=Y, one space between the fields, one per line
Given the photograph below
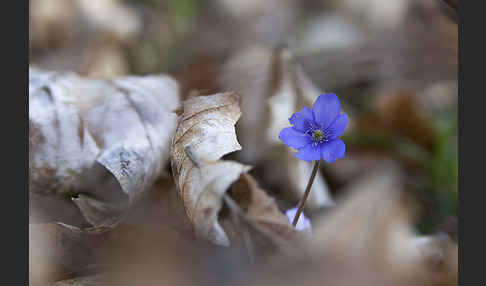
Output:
x=108 y=208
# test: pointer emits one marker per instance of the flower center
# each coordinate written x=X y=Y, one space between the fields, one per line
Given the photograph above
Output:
x=317 y=135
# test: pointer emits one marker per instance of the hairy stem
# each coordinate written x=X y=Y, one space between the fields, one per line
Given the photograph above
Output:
x=306 y=193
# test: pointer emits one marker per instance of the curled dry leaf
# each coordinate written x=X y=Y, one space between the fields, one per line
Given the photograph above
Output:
x=102 y=143
x=273 y=86
x=268 y=228
x=205 y=132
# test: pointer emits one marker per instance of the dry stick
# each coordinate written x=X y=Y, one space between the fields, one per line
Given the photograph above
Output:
x=306 y=193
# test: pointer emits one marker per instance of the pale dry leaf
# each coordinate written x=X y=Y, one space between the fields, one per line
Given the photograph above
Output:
x=273 y=87
x=374 y=226
x=367 y=239
x=371 y=209
x=106 y=140
x=205 y=132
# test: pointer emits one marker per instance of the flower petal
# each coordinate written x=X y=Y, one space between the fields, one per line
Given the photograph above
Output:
x=333 y=150
x=309 y=153
x=294 y=138
x=326 y=108
x=299 y=119
x=303 y=224
x=338 y=125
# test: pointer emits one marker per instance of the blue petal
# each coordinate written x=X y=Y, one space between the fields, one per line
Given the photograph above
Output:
x=303 y=224
x=299 y=119
x=337 y=127
x=326 y=108
x=309 y=153
x=294 y=138
x=333 y=150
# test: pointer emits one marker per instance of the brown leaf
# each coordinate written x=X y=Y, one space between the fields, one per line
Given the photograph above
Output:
x=268 y=227
x=399 y=113
x=205 y=132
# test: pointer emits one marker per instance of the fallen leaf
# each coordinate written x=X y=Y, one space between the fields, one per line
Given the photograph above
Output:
x=366 y=239
x=268 y=228
x=399 y=114
x=101 y=143
x=205 y=132
x=371 y=233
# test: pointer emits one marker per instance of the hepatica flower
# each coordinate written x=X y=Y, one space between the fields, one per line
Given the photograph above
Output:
x=304 y=223
x=315 y=131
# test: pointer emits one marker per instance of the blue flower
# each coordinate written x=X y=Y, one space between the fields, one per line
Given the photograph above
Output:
x=315 y=131
x=303 y=224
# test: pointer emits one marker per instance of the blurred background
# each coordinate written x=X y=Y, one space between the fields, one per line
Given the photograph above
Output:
x=393 y=64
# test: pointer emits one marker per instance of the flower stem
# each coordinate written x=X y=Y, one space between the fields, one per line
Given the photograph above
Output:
x=306 y=193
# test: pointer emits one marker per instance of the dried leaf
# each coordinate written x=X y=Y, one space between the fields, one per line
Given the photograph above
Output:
x=205 y=132
x=399 y=114
x=372 y=228
x=268 y=227
x=105 y=140
x=367 y=239
x=273 y=86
